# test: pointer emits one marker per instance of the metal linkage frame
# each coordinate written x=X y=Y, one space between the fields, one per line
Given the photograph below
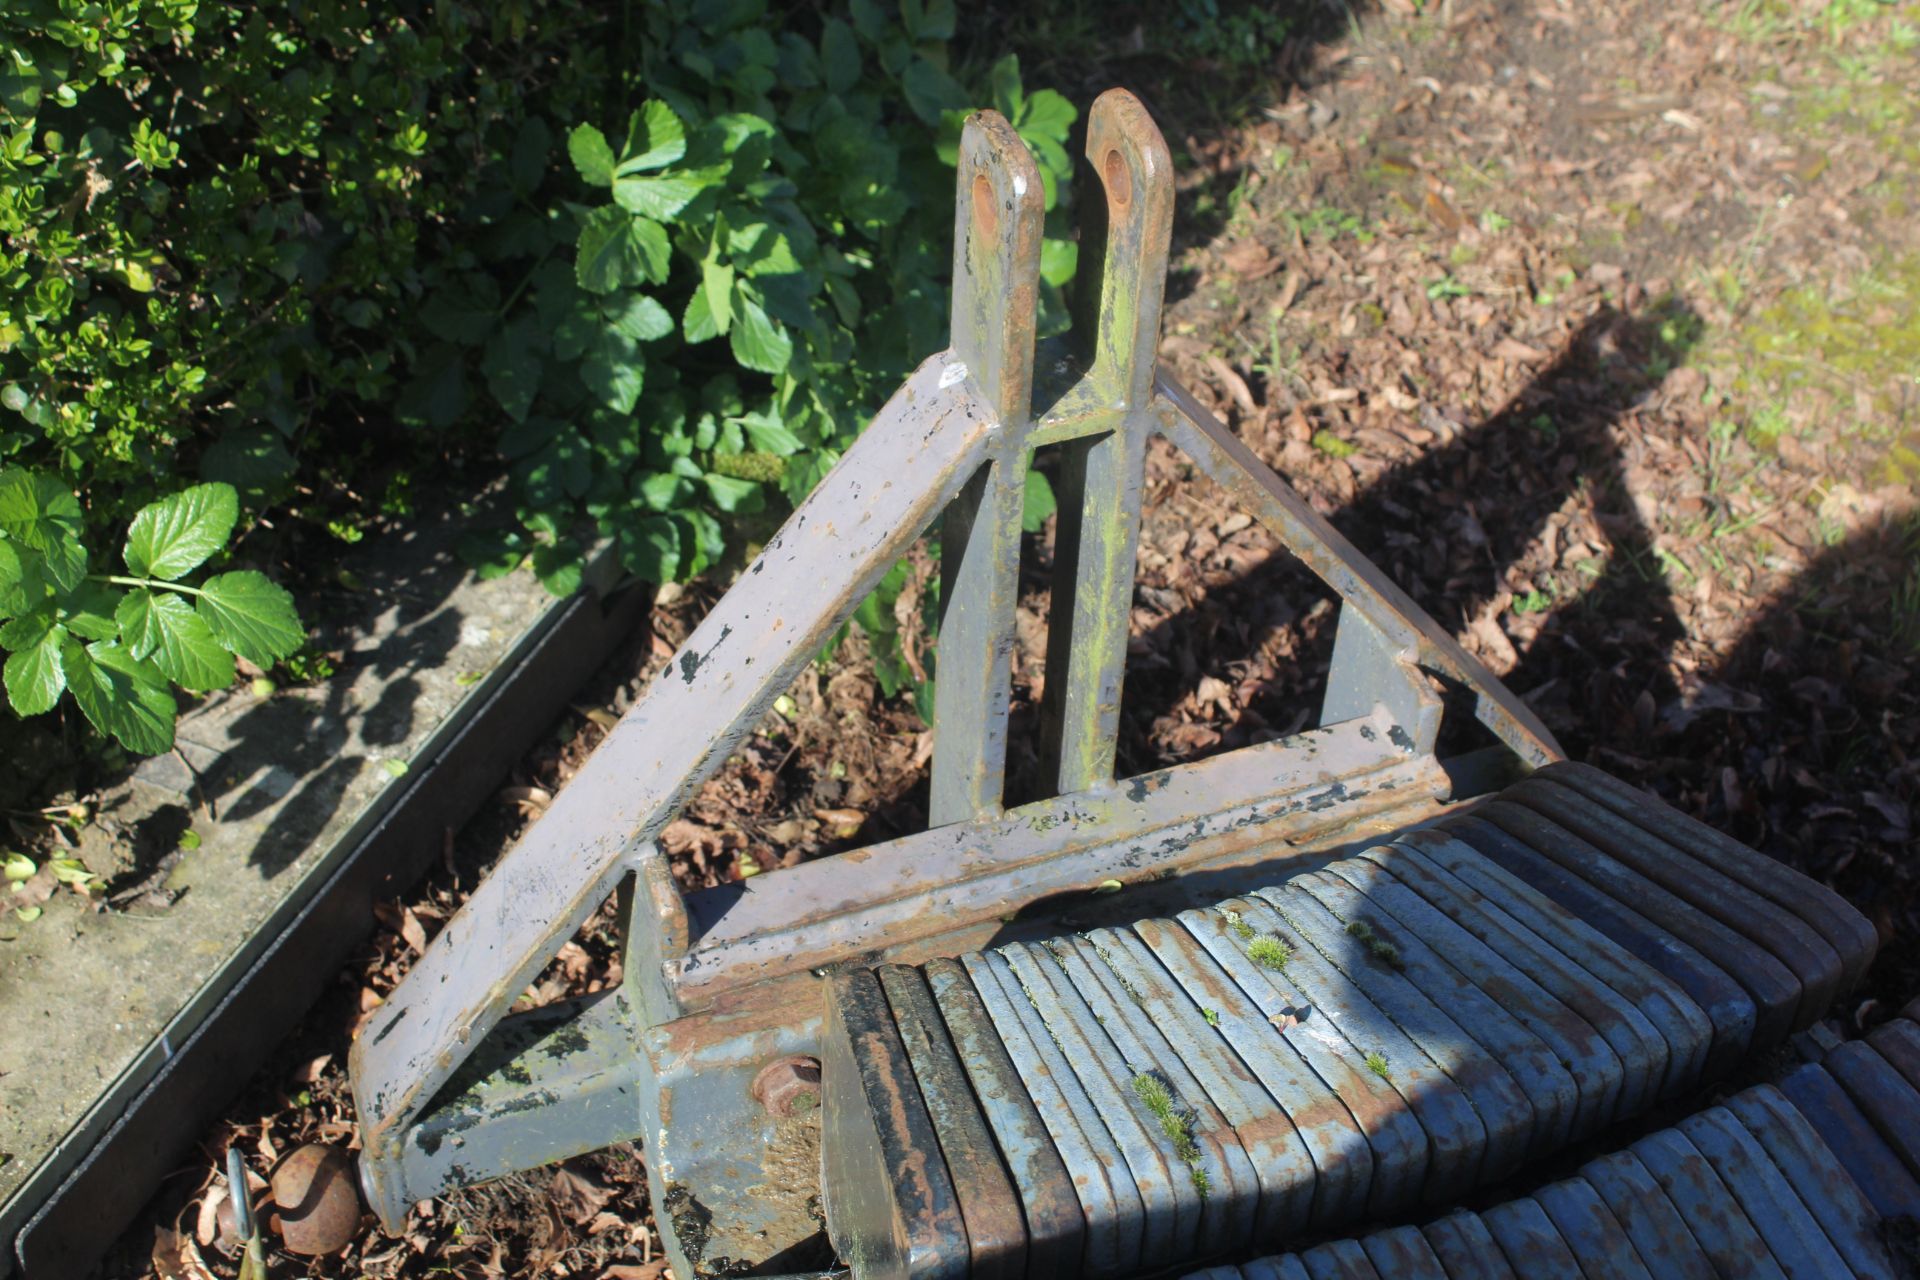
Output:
x=722 y=982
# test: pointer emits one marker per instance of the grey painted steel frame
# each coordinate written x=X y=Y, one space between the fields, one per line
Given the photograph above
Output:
x=687 y=1033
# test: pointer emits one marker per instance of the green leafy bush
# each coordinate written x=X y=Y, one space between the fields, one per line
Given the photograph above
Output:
x=293 y=250
x=148 y=627
x=759 y=255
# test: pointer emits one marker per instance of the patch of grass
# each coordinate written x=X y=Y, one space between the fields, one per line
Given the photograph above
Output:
x=1212 y=1016
x=1270 y=952
x=1332 y=445
x=1446 y=287
x=1377 y=1063
x=1535 y=601
x=1238 y=923
x=1851 y=339
x=1157 y=1097
x=1377 y=947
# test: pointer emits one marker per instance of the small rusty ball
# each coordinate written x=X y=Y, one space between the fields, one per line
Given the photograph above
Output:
x=319 y=1206
x=789 y=1086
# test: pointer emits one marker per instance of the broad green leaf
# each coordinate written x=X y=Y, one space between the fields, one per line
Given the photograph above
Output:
x=640 y=318
x=696 y=324
x=770 y=435
x=252 y=616
x=175 y=535
x=655 y=139
x=121 y=695
x=618 y=248
x=1048 y=115
x=1004 y=83
x=1036 y=503
x=27 y=631
x=251 y=459
x=930 y=91
x=1058 y=259
x=649 y=547
x=591 y=155
x=734 y=496
x=493 y=553
x=162 y=626
x=42 y=514
x=528 y=162
x=759 y=342
x=23 y=579
x=839 y=56
x=513 y=367
x=656 y=197
x=558 y=567
x=716 y=284
x=437 y=394
x=702 y=541
x=661 y=490
x=35 y=675
x=613 y=370
x=88 y=611
x=929 y=19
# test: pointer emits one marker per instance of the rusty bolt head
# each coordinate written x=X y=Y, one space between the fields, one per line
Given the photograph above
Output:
x=789 y=1086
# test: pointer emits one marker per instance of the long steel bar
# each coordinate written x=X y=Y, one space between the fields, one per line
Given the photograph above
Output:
x=749 y=648
x=996 y=278
x=1326 y=551
x=1116 y=330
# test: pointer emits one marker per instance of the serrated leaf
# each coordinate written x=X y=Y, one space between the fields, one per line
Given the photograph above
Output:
x=619 y=248
x=759 y=342
x=251 y=615
x=121 y=695
x=35 y=675
x=655 y=139
x=42 y=514
x=23 y=579
x=640 y=318
x=656 y=197
x=163 y=627
x=175 y=535
x=588 y=149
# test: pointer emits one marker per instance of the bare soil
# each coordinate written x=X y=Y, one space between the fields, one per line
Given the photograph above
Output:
x=1594 y=324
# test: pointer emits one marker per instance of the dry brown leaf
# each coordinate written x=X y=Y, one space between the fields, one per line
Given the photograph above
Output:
x=1250 y=260
x=636 y=1270
x=176 y=1257
x=1235 y=384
